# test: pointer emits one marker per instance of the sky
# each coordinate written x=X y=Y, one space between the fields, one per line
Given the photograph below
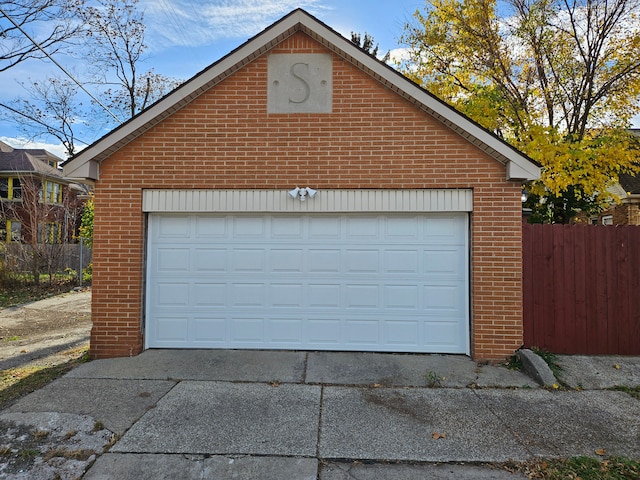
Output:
x=186 y=36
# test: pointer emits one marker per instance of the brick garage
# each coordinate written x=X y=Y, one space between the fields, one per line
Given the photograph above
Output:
x=215 y=149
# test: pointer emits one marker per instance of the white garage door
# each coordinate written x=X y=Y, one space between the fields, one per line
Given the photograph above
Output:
x=391 y=282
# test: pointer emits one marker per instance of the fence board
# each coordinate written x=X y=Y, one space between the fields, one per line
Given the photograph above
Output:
x=581 y=287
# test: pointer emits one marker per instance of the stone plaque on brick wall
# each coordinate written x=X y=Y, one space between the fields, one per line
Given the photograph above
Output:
x=299 y=83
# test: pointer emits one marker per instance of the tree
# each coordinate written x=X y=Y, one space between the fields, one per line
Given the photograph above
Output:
x=559 y=79
x=366 y=44
x=86 y=223
x=115 y=30
x=40 y=239
x=113 y=48
x=51 y=108
x=51 y=23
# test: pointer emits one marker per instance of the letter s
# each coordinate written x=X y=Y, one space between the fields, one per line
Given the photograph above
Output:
x=307 y=89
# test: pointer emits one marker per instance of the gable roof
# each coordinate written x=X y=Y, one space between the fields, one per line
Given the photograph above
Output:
x=28 y=161
x=85 y=164
x=630 y=183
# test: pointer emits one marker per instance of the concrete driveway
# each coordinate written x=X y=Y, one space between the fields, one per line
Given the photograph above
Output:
x=311 y=415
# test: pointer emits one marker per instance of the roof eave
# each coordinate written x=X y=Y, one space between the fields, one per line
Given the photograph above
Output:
x=84 y=165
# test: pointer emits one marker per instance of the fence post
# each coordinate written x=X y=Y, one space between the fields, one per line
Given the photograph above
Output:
x=81 y=259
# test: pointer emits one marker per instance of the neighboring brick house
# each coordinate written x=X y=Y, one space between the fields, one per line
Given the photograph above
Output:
x=627 y=210
x=37 y=204
x=408 y=238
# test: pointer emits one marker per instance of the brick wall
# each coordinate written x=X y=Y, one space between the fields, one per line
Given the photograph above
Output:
x=373 y=139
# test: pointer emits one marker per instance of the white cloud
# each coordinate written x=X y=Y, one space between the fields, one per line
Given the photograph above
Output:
x=192 y=24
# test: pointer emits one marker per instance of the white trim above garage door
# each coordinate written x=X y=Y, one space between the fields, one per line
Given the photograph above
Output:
x=194 y=201
x=314 y=281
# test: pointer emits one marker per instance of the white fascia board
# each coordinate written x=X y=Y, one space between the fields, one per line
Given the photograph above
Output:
x=176 y=100
x=264 y=41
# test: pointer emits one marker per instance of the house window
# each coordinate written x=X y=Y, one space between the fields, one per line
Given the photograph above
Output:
x=10 y=188
x=51 y=191
x=13 y=230
x=15 y=188
x=607 y=220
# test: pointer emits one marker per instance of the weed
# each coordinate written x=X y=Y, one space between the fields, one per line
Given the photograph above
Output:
x=28 y=454
x=551 y=359
x=98 y=425
x=40 y=435
x=21 y=290
x=633 y=391
x=514 y=363
x=433 y=379
x=81 y=454
x=578 y=468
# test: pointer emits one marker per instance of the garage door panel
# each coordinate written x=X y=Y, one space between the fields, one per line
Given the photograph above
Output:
x=174 y=227
x=247 y=331
x=248 y=260
x=287 y=295
x=247 y=295
x=209 y=331
x=402 y=228
x=362 y=229
x=249 y=227
x=324 y=332
x=362 y=333
x=444 y=230
x=324 y=260
x=362 y=261
x=443 y=264
x=289 y=228
x=211 y=227
x=173 y=330
x=401 y=261
x=402 y=297
x=324 y=296
x=207 y=295
x=210 y=260
x=336 y=282
x=402 y=334
x=325 y=228
x=441 y=334
x=284 y=331
x=172 y=294
x=444 y=300
x=286 y=260
x=173 y=259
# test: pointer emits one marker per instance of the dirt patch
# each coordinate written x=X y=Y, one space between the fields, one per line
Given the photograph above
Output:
x=37 y=333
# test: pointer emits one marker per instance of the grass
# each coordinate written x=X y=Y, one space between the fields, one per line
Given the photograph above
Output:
x=551 y=359
x=18 y=291
x=20 y=381
x=633 y=391
x=581 y=468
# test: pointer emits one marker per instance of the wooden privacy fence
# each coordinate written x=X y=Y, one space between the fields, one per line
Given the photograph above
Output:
x=581 y=288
